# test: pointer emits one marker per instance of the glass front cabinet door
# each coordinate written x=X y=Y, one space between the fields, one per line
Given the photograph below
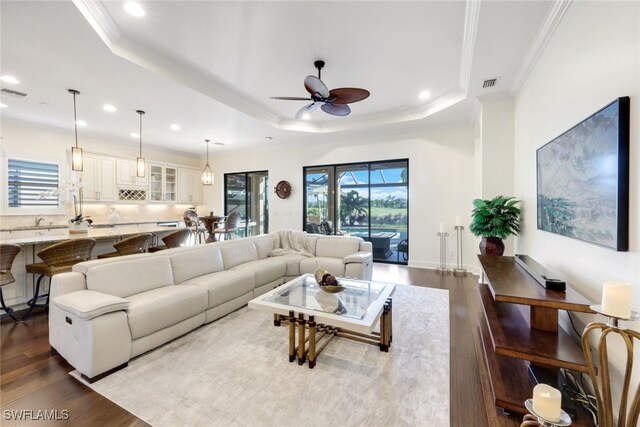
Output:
x=163 y=183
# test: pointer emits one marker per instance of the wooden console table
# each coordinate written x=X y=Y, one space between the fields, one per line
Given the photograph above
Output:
x=520 y=331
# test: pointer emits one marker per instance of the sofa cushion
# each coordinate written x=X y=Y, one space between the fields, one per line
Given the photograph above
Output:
x=264 y=245
x=238 y=252
x=224 y=286
x=159 y=308
x=84 y=267
x=129 y=277
x=312 y=241
x=337 y=246
x=265 y=270
x=334 y=266
x=201 y=260
x=292 y=261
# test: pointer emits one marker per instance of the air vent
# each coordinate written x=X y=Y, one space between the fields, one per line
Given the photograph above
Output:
x=489 y=83
x=13 y=92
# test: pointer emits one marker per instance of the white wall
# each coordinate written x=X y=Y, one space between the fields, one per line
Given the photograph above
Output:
x=440 y=181
x=593 y=58
x=28 y=138
x=494 y=151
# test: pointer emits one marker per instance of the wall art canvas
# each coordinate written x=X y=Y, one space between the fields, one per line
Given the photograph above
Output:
x=583 y=179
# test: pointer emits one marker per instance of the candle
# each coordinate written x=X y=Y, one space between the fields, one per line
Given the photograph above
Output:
x=546 y=402
x=616 y=299
x=458 y=221
x=442 y=227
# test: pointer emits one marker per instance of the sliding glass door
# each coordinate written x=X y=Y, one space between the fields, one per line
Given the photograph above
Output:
x=369 y=200
x=247 y=194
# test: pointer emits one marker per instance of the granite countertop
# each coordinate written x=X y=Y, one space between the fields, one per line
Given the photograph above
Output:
x=93 y=225
x=94 y=233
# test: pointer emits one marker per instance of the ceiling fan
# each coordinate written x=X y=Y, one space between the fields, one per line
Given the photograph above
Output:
x=332 y=102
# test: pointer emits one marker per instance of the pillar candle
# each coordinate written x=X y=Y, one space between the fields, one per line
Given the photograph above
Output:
x=546 y=402
x=458 y=221
x=442 y=227
x=616 y=299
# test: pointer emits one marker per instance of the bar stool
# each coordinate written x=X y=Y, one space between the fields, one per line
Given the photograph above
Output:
x=173 y=240
x=132 y=245
x=8 y=252
x=57 y=258
x=192 y=222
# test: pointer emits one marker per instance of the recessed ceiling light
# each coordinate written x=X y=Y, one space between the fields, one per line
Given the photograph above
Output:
x=268 y=138
x=403 y=107
x=43 y=103
x=10 y=79
x=3 y=105
x=306 y=116
x=175 y=127
x=134 y=8
x=110 y=108
x=424 y=94
x=81 y=123
x=218 y=143
x=135 y=135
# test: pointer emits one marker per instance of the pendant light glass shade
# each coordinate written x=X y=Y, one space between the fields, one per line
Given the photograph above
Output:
x=140 y=169
x=207 y=174
x=76 y=152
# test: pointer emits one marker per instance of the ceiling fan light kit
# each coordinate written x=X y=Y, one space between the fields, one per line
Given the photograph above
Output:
x=332 y=102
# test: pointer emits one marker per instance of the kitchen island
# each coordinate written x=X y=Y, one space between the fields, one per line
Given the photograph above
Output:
x=34 y=240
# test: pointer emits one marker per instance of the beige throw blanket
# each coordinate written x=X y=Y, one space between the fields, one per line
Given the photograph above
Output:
x=291 y=242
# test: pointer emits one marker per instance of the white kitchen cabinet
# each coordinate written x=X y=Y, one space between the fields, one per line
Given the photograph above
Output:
x=99 y=178
x=163 y=183
x=189 y=185
x=126 y=174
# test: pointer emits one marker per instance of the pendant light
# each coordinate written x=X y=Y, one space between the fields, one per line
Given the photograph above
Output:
x=207 y=174
x=140 y=162
x=76 y=152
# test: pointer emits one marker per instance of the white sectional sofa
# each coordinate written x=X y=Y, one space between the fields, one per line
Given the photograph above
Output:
x=108 y=311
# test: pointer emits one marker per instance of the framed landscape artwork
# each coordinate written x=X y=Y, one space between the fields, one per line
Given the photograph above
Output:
x=583 y=179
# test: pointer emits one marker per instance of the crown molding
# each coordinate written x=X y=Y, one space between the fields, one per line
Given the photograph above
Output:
x=100 y=20
x=471 y=17
x=545 y=32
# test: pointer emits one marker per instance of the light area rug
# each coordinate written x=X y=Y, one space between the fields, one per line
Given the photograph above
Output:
x=235 y=372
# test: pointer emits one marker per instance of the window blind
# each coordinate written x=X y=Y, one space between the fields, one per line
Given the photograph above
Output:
x=28 y=180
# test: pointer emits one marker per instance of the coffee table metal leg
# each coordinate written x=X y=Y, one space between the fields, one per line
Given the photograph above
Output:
x=301 y=339
x=312 y=342
x=276 y=320
x=292 y=336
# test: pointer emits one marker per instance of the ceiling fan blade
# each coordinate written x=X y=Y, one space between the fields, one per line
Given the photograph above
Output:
x=307 y=109
x=348 y=95
x=290 y=98
x=336 y=110
x=315 y=87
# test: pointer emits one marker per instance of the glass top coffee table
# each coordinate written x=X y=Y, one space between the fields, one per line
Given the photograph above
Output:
x=352 y=313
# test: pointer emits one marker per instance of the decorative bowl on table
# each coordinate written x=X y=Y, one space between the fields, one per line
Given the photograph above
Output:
x=328 y=282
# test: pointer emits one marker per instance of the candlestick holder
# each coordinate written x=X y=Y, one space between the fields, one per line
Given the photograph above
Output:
x=459 y=270
x=442 y=268
x=627 y=415
x=535 y=420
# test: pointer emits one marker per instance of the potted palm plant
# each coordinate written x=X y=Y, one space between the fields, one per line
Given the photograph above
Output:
x=495 y=220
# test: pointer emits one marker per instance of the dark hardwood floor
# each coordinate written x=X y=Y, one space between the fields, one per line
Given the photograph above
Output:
x=33 y=378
